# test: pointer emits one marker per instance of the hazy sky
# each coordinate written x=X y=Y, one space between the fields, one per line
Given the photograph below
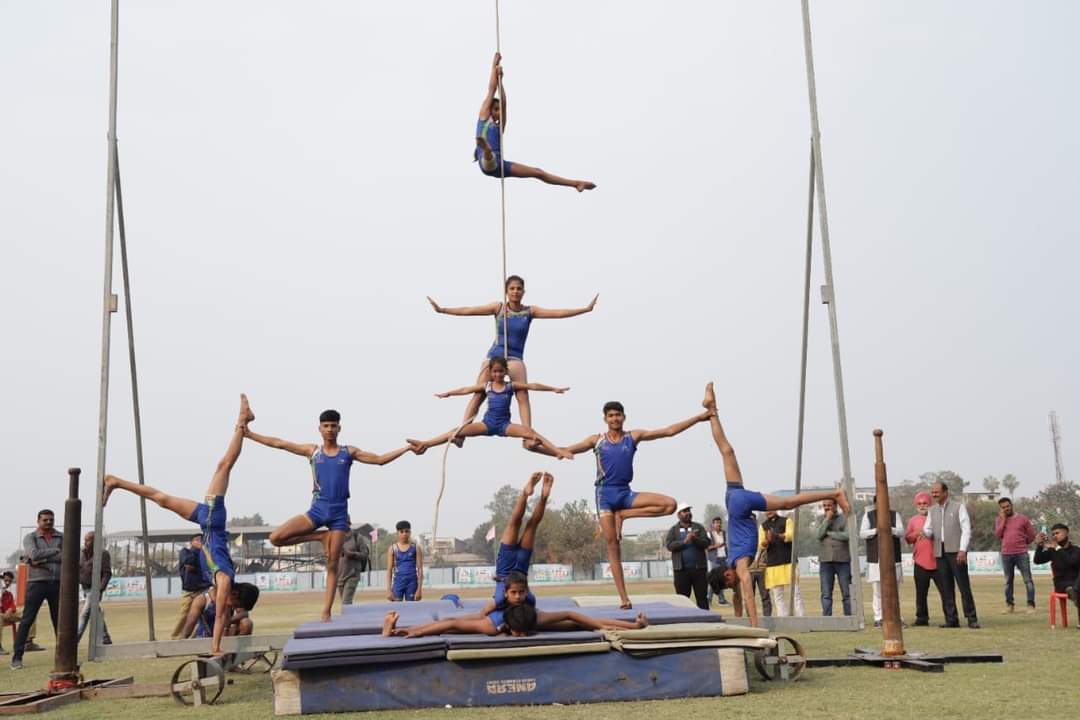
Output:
x=297 y=178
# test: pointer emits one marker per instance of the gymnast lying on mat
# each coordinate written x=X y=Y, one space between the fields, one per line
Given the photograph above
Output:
x=513 y=610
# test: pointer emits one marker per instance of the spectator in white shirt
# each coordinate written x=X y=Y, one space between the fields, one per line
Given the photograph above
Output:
x=949 y=526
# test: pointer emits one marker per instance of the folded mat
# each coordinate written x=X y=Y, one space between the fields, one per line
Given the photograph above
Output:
x=686 y=631
x=657 y=613
x=462 y=642
x=595 y=600
x=369 y=622
x=359 y=650
x=432 y=606
x=527 y=651
x=653 y=648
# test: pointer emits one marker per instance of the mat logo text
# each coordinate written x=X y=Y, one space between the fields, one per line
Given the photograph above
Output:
x=518 y=685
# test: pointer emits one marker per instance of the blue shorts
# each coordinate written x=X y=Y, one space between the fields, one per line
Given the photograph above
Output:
x=333 y=514
x=211 y=518
x=404 y=587
x=496 y=618
x=506 y=165
x=512 y=558
x=613 y=498
x=496 y=351
x=742 y=527
x=496 y=426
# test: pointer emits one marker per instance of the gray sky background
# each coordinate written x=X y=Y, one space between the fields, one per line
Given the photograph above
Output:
x=297 y=178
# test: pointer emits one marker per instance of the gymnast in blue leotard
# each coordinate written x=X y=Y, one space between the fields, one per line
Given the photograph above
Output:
x=498 y=392
x=518 y=320
x=490 y=126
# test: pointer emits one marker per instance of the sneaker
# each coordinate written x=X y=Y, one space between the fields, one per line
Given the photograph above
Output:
x=921 y=623
x=16 y=664
x=1009 y=610
x=34 y=647
x=107 y=640
x=974 y=625
x=722 y=601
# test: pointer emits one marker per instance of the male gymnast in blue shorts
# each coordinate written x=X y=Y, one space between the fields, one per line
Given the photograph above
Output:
x=615 y=501
x=210 y=516
x=330 y=466
x=741 y=504
x=490 y=127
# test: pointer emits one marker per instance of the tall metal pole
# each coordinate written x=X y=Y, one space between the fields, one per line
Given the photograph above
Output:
x=109 y=307
x=828 y=296
x=134 y=392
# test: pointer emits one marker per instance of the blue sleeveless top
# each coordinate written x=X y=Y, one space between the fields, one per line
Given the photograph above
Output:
x=518 y=330
x=498 y=404
x=330 y=475
x=405 y=562
x=614 y=461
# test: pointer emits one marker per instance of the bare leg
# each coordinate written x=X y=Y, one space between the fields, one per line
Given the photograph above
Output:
x=223 y=586
x=181 y=506
x=527 y=171
x=746 y=589
x=528 y=539
x=477 y=399
x=513 y=526
x=198 y=604
x=646 y=504
x=520 y=431
x=614 y=552
x=334 y=540
x=772 y=502
x=219 y=484
x=519 y=375
x=731 y=465
x=470 y=430
x=297 y=529
x=487 y=160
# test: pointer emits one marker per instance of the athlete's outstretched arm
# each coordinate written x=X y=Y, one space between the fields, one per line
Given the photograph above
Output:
x=671 y=430
x=467 y=390
x=368 y=458
x=493 y=85
x=583 y=446
x=304 y=449
x=540 y=313
x=540 y=387
x=489 y=309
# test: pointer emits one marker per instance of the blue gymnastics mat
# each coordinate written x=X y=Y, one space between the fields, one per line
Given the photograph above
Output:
x=566 y=679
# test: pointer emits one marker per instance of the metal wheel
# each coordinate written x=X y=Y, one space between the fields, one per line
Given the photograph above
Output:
x=259 y=663
x=204 y=683
x=778 y=664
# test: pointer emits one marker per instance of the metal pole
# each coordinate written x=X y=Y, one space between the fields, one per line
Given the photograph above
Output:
x=802 y=371
x=65 y=674
x=109 y=302
x=828 y=296
x=134 y=388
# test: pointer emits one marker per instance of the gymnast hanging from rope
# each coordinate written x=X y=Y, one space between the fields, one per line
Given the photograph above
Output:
x=490 y=127
x=498 y=392
x=517 y=321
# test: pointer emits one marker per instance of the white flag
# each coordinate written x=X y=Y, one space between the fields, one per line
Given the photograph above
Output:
x=490 y=534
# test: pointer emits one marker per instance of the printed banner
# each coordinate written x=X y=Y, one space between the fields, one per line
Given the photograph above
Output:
x=129 y=588
x=475 y=575
x=630 y=570
x=274 y=582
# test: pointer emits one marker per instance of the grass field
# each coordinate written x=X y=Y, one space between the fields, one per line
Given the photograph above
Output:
x=1038 y=679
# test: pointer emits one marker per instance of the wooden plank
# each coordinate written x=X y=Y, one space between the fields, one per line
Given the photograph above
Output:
x=191 y=647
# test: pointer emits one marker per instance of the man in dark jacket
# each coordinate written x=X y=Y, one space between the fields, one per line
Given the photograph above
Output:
x=353 y=563
x=194 y=580
x=86 y=575
x=1064 y=559
x=687 y=541
x=41 y=552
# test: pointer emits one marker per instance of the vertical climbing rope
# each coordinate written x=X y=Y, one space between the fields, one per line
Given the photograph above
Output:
x=505 y=309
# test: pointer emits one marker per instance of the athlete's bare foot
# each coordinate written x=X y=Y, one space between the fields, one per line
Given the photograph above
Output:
x=626 y=604
x=389 y=623
x=488 y=160
x=549 y=480
x=246 y=415
x=841 y=500
x=109 y=485
x=325 y=617
x=709 y=403
x=531 y=483
x=583 y=185
x=641 y=620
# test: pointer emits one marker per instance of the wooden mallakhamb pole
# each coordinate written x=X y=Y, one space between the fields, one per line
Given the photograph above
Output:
x=890 y=595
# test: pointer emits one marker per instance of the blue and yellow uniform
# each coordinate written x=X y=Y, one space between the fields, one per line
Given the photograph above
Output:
x=517 y=329
x=497 y=416
x=511 y=558
x=330 y=488
x=211 y=518
x=487 y=129
x=614 y=473
x=405 y=580
x=742 y=527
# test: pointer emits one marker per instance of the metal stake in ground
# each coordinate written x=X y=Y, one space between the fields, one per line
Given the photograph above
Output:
x=890 y=594
x=65 y=674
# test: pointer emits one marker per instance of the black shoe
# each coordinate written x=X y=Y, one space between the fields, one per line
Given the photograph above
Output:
x=973 y=625
x=921 y=623
x=107 y=641
x=950 y=625
x=877 y=623
x=722 y=601
x=33 y=647
x=16 y=664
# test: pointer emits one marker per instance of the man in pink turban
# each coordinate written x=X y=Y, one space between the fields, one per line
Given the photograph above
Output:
x=925 y=564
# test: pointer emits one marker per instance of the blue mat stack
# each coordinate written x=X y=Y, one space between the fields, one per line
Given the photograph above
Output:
x=347 y=665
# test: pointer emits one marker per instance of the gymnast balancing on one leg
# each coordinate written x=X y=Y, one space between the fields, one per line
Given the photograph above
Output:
x=211 y=518
x=516 y=317
x=513 y=608
x=330 y=466
x=615 y=501
x=488 y=151
x=741 y=504
x=497 y=418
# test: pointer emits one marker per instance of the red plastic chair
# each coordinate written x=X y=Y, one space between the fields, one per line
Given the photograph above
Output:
x=1063 y=600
